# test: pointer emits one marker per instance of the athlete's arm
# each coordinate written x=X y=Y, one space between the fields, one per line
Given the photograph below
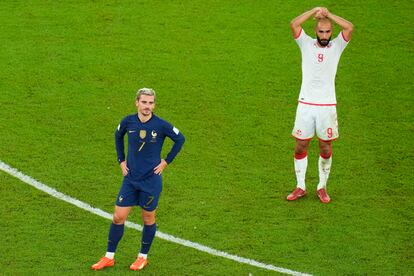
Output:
x=119 y=145
x=296 y=23
x=178 y=138
x=347 y=27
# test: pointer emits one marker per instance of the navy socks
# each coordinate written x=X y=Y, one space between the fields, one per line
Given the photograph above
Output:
x=116 y=231
x=148 y=234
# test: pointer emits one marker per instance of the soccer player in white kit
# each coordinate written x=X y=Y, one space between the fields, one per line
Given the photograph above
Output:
x=317 y=102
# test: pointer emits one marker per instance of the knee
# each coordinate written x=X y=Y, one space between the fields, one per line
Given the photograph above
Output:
x=325 y=150
x=301 y=147
x=300 y=150
x=325 y=153
x=118 y=219
x=148 y=218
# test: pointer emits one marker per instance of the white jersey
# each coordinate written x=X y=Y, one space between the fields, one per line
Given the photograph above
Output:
x=319 y=69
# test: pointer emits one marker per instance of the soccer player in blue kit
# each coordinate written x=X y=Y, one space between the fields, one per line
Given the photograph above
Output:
x=142 y=171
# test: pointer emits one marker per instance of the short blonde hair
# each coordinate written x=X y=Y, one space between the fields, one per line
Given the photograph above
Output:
x=145 y=91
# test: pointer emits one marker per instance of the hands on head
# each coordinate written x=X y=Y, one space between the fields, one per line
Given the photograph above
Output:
x=320 y=13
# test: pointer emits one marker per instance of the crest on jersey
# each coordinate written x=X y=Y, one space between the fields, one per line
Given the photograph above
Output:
x=154 y=136
x=142 y=133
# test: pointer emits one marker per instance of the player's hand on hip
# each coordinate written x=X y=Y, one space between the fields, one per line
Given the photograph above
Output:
x=161 y=166
x=124 y=168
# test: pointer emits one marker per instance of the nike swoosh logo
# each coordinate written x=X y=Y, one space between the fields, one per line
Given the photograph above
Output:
x=131 y=131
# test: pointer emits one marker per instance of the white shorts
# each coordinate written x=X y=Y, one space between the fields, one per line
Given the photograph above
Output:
x=321 y=118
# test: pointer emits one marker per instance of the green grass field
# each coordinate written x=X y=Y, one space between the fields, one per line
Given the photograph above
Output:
x=227 y=74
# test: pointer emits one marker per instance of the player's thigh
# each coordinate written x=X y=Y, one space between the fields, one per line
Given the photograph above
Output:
x=150 y=191
x=304 y=122
x=327 y=123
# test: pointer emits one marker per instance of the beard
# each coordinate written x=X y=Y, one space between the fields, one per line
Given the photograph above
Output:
x=323 y=42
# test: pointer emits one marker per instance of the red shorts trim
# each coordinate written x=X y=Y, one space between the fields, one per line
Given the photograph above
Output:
x=327 y=140
x=302 y=139
x=317 y=104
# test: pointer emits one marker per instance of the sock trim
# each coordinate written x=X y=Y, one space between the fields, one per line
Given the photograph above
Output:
x=110 y=255
x=299 y=156
x=327 y=156
x=142 y=255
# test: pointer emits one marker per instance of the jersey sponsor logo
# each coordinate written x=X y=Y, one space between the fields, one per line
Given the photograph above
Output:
x=176 y=131
x=131 y=131
x=142 y=133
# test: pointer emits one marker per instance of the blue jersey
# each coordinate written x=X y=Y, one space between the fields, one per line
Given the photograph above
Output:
x=145 y=142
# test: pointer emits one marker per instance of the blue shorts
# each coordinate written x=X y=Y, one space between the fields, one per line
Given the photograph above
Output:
x=145 y=192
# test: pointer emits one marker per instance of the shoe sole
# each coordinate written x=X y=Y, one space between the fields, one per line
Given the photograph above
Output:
x=96 y=269
x=324 y=201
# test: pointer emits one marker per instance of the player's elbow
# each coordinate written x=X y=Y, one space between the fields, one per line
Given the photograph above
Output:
x=118 y=135
x=350 y=27
x=295 y=27
x=182 y=140
x=119 y=141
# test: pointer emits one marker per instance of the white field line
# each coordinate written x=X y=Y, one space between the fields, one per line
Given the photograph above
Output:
x=40 y=186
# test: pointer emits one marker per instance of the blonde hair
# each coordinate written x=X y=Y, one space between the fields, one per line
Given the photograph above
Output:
x=145 y=91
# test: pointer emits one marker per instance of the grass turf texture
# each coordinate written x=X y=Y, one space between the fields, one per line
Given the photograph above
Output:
x=228 y=76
